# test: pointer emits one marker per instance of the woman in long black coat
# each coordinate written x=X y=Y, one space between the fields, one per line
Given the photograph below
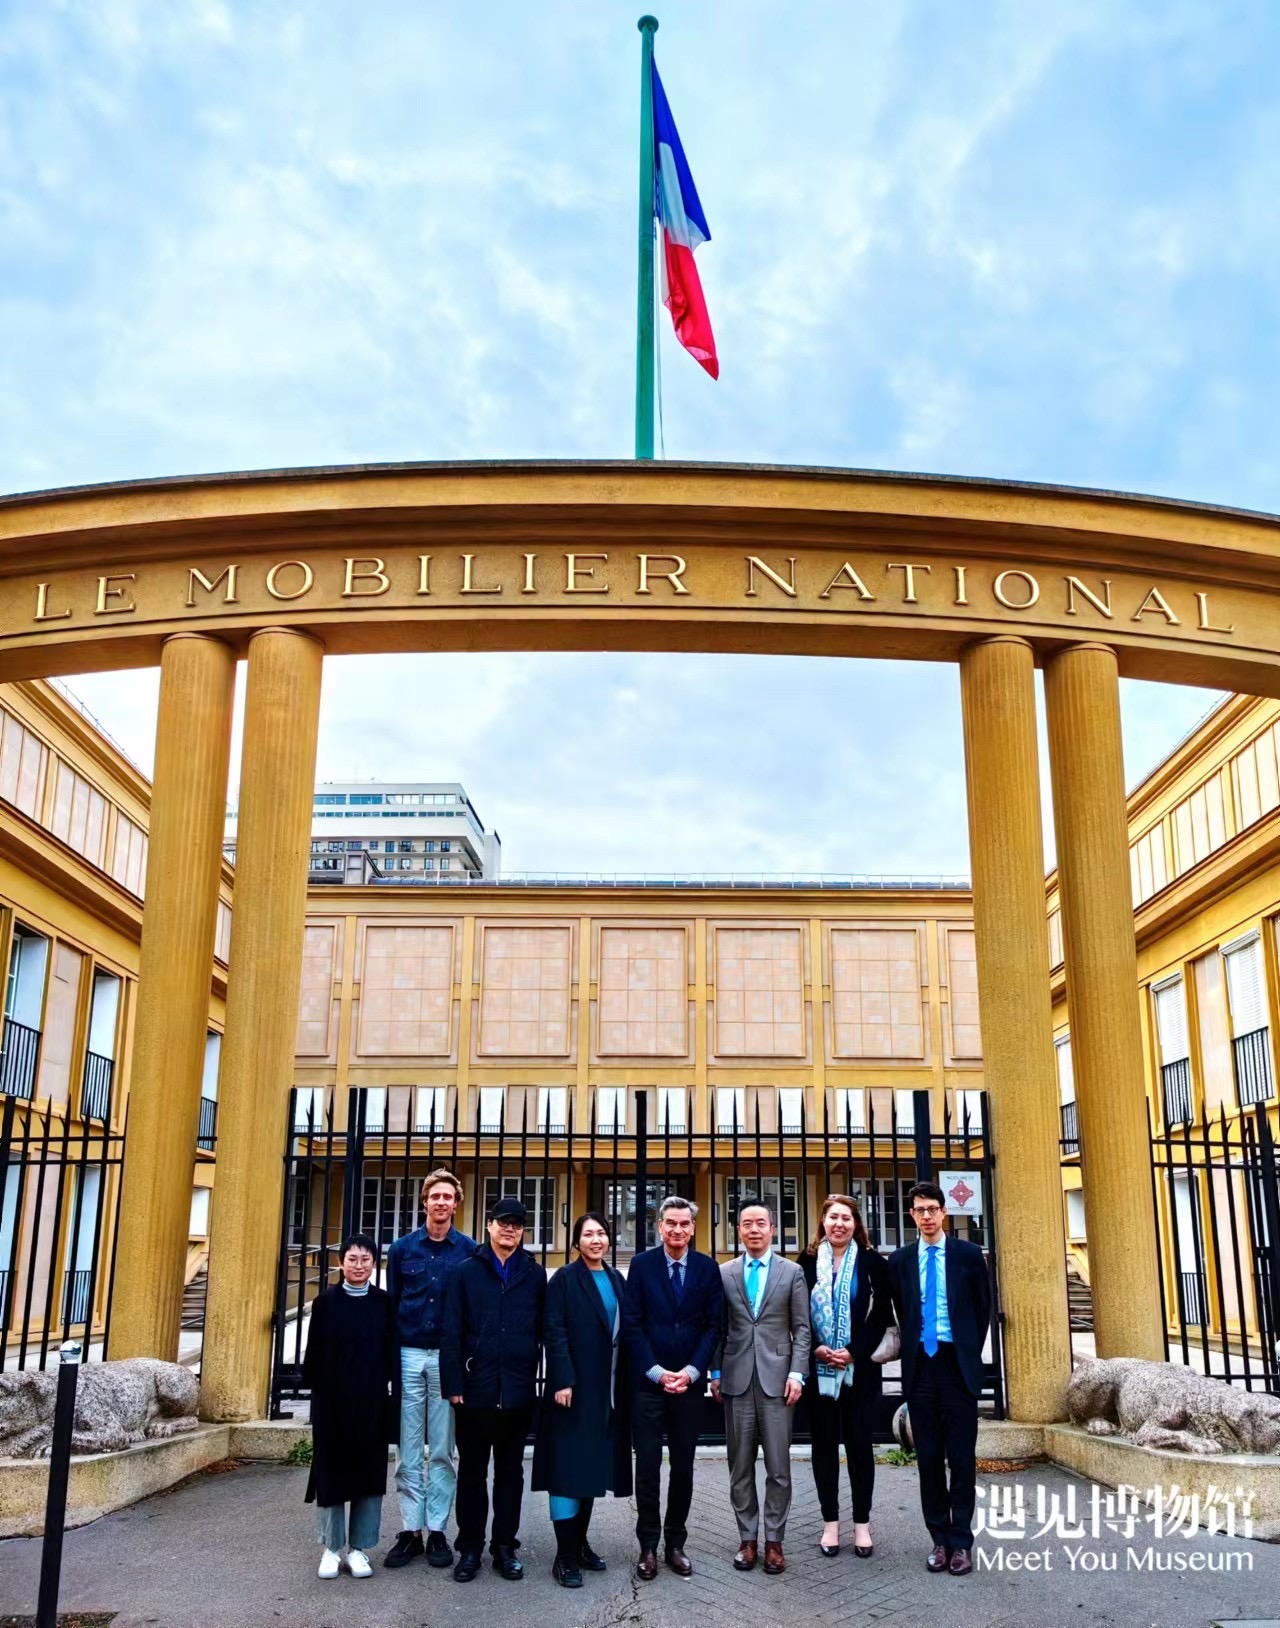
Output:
x=850 y=1309
x=583 y=1448
x=351 y=1364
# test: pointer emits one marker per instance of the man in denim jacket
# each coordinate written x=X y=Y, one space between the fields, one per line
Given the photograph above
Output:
x=419 y=1267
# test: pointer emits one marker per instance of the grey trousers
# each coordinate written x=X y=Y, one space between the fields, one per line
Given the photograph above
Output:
x=364 y=1527
x=753 y=1421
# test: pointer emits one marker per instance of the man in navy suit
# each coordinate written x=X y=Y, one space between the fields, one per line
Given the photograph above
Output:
x=942 y=1295
x=670 y=1322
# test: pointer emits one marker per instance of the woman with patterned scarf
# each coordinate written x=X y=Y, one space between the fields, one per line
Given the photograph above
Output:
x=850 y=1311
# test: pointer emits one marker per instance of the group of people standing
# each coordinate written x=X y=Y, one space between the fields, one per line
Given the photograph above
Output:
x=444 y=1362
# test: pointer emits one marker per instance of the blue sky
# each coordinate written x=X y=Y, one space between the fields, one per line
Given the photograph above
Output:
x=996 y=239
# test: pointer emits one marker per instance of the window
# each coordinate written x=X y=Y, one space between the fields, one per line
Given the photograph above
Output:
x=388 y=847
x=22 y=767
x=1148 y=869
x=8 y=1233
x=429 y=1100
x=904 y=1106
x=336 y=848
x=28 y=961
x=78 y=1284
x=492 y=1107
x=445 y=847
x=1246 y=989
x=538 y=1195
x=611 y=1108
x=309 y=1110
x=1056 y=956
x=790 y=1108
x=212 y=1063
x=375 y=1108
x=406 y=847
x=672 y=1102
x=731 y=1106
x=129 y=857
x=1171 y=1022
x=328 y=799
x=104 y=1008
x=367 y=799
x=736 y=1188
x=968 y=1111
x=388 y=1209
x=199 y=1227
x=429 y=864
x=551 y=1108
x=431 y=847
x=1075 y=1213
x=1256 y=787
x=79 y=815
x=1199 y=824
x=1066 y=1075
x=444 y=864
x=851 y=1113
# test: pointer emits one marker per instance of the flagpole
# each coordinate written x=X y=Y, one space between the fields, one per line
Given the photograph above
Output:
x=648 y=27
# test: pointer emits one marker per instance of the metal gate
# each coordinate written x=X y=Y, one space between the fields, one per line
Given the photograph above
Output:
x=357 y=1165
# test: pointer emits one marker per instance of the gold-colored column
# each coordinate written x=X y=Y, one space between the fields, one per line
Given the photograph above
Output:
x=1082 y=694
x=1006 y=845
x=277 y=782
x=184 y=862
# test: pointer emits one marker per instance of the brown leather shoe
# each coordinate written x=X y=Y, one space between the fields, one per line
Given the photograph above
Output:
x=939 y=1558
x=745 y=1559
x=961 y=1563
x=679 y=1562
x=774 y=1560
x=647 y=1565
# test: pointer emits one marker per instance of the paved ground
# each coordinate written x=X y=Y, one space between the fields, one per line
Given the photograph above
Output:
x=235 y=1550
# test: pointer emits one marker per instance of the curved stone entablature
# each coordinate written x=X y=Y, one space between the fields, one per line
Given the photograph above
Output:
x=629 y=556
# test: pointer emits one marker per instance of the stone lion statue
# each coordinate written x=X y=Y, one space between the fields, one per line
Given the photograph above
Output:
x=1157 y=1404
x=117 y=1405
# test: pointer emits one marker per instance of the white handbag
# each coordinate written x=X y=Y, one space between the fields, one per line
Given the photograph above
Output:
x=890 y=1347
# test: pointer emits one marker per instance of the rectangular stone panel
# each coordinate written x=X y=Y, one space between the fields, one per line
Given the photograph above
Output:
x=524 y=992
x=643 y=987
x=875 y=993
x=962 y=985
x=759 y=981
x=406 y=992
x=315 y=1002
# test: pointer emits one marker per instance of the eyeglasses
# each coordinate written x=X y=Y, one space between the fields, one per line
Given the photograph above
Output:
x=512 y=1226
x=926 y=1209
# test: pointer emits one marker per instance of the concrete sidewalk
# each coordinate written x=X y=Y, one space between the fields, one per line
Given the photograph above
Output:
x=235 y=1549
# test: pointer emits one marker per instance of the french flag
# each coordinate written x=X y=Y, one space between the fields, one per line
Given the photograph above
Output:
x=684 y=227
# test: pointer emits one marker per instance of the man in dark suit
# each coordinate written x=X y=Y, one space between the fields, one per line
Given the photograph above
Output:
x=670 y=1323
x=942 y=1295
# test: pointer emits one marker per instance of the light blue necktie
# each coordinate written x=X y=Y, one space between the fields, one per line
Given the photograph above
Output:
x=755 y=1286
x=929 y=1339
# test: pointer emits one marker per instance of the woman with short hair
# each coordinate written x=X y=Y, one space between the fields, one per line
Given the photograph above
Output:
x=849 y=1309
x=351 y=1365
x=583 y=1448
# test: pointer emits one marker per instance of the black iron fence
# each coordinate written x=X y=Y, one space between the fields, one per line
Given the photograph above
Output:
x=59 y=1192
x=1216 y=1187
x=362 y=1170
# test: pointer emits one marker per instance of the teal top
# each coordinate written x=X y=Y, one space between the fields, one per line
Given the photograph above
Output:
x=604 y=1288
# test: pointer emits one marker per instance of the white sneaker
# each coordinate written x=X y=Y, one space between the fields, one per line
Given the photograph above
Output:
x=330 y=1565
x=358 y=1564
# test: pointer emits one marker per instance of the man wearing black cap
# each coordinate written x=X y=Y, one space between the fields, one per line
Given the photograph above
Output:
x=488 y=1368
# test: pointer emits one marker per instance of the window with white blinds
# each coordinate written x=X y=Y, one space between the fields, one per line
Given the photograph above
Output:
x=1171 y=1021
x=1246 y=986
x=1066 y=1075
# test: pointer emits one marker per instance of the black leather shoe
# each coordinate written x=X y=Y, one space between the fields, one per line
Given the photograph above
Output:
x=961 y=1563
x=566 y=1573
x=939 y=1558
x=506 y=1564
x=467 y=1567
x=438 y=1551
x=589 y=1560
x=647 y=1565
x=678 y=1561
x=407 y=1547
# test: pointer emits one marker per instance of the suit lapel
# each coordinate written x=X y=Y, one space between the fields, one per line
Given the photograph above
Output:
x=665 y=1272
x=770 y=1283
x=589 y=1289
x=738 y=1276
x=913 y=1284
x=950 y=1266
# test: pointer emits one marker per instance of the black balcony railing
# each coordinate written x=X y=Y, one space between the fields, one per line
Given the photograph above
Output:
x=1176 y=1080
x=1070 y=1128
x=19 y=1058
x=95 y=1086
x=1252 y=1059
x=76 y=1296
x=1193 y=1298
x=207 y=1135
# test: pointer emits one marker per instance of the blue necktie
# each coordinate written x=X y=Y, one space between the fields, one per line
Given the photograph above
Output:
x=755 y=1287
x=929 y=1339
x=677 y=1278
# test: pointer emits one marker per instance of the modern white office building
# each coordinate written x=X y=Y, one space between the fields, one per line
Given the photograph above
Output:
x=372 y=831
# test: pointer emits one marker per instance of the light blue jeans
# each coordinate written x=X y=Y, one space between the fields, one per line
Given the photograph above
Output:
x=363 y=1528
x=425 y=1417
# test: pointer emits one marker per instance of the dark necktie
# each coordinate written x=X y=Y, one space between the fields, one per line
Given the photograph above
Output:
x=677 y=1279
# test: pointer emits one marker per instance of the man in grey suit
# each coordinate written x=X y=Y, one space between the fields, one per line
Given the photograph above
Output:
x=761 y=1361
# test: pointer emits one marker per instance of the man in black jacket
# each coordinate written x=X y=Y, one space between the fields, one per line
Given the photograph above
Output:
x=488 y=1370
x=942 y=1295
x=670 y=1323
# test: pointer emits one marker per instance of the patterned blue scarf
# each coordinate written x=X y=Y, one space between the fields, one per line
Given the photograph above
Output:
x=831 y=1311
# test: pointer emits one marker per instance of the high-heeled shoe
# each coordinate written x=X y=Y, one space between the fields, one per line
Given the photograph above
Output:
x=830 y=1549
x=864 y=1551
